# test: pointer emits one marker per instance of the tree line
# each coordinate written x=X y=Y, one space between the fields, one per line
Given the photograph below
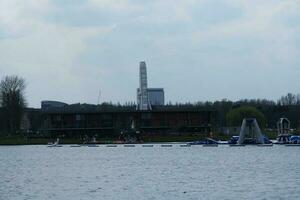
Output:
x=13 y=105
x=269 y=111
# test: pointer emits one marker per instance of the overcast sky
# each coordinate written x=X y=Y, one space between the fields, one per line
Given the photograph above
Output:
x=197 y=50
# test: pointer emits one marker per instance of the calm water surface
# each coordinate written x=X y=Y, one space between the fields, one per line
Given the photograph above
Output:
x=38 y=172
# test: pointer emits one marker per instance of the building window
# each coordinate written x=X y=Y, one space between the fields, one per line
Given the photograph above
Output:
x=146 y=116
x=80 y=117
x=58 y=118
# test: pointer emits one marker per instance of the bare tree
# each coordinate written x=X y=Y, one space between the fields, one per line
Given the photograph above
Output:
x=288 y=100
x=12 y=101
x=298 y=99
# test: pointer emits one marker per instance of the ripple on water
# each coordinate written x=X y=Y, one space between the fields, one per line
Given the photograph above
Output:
x=36 y=172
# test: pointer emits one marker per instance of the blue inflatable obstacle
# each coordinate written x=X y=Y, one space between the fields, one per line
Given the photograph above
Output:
x=234 y=140
x=295 y=139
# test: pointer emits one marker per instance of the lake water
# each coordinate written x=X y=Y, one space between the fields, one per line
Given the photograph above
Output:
x=135 y=173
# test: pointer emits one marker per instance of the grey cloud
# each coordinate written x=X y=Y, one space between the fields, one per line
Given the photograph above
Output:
x=197 y=50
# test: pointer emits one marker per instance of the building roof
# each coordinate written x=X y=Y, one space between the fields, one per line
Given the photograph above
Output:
x=90 y=108
x=155 y=89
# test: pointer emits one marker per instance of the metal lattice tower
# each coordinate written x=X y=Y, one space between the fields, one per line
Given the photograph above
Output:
x=143 y=98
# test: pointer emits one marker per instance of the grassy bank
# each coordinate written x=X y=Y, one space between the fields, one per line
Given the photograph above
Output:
x=182 y=138
x=272 y=135
x=23 y=140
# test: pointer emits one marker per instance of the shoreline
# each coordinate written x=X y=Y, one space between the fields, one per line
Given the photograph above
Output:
x=14 y=140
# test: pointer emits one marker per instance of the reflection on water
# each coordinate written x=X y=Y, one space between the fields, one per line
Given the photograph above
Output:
x=38 y=172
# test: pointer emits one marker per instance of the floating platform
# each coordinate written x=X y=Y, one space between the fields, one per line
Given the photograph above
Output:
x=210 y=145
x=54 y=146
x=265 y=145
x=166 y=145
x=92 y=145
x=147 y=145
x=111 y=145
x=76 y=145
x=185 y=145
x=129 y=145
x=292 y=145
x=237 y=145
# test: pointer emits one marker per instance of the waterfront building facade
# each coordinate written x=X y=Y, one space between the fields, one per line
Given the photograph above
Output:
x=81 y=119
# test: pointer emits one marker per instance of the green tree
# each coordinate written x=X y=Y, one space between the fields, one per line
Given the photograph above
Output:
x=236 y=116
x=12 y=101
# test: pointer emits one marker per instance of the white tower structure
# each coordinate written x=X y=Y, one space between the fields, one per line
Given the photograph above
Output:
x=284 y=130
x=143 y=98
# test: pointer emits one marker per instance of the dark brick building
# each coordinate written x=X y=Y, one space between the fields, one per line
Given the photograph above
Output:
x=79 y=119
